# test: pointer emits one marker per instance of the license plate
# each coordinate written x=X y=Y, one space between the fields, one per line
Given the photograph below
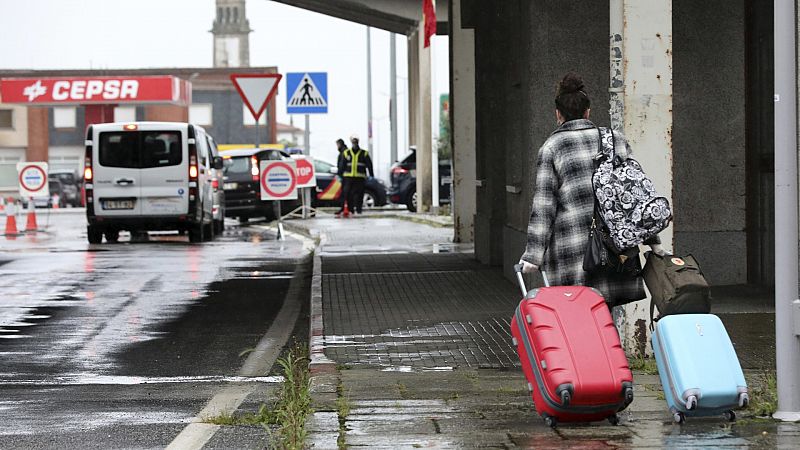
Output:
x=229 y=186
x=118 y=204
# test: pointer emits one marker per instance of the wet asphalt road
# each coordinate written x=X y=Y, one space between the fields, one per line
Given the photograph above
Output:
x=121 y=345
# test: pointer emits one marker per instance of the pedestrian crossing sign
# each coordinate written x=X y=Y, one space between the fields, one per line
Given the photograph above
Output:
x=307 y=93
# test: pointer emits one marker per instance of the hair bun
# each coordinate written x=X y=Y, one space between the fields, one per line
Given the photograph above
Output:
x=572 y=82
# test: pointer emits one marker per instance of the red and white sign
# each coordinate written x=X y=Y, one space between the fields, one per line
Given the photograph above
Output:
x=256 y=90
x=89 y=90
x=278 y=180
x=33 y=179
x=306 y=176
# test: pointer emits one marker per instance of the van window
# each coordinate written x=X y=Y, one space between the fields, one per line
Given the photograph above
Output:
x=161 y=148
x=140 y=149
x=119 y=149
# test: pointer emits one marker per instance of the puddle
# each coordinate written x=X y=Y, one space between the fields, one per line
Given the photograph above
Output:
x=409 y=369
x=91 y=379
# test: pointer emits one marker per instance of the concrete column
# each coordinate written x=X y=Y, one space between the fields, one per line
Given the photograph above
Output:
x=424 y=136
x=38 y=134
x=647 y=42
x=413 y=86
x=787 y=307
x=462 y=125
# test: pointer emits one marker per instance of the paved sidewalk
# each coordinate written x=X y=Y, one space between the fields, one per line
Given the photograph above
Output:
x=414 y=352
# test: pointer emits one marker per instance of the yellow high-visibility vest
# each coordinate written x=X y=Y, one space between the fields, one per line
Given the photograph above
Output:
x=353 y=167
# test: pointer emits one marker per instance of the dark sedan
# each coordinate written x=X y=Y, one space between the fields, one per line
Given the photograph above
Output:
x=242 y=192
x=404 y=181
x=329 y=187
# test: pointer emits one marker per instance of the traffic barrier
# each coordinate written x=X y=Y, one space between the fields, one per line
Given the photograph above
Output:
x=11 y=221
x=31 y=223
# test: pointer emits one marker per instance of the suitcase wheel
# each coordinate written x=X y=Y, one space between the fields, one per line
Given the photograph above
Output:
x=565 y=398
x=613 y=420
x=691 y=403
x=678 y=417
x=530 y=387
x=744 y=400
x=514 y=341
x=550 y=421
x=730 y=415
x=528 y=318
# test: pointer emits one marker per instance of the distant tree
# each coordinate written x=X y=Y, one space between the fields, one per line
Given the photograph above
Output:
x=443 y=143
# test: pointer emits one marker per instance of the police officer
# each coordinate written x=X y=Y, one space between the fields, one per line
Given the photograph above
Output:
x=354 y=168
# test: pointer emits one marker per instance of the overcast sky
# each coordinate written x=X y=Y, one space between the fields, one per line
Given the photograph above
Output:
x=82 y=34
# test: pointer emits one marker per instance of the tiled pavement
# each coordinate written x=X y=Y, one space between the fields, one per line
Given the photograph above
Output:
x=449 y=311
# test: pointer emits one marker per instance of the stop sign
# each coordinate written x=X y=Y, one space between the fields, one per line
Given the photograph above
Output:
x=306 y=177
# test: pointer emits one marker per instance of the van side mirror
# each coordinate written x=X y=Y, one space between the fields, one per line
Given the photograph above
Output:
x=218 y=163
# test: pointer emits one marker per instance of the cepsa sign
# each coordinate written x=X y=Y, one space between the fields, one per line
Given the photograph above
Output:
x=73 y=90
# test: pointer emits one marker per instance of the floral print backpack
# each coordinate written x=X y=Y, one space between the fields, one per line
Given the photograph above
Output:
x=626 y=199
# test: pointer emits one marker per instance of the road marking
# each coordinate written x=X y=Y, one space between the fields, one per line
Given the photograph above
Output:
x=197 y=434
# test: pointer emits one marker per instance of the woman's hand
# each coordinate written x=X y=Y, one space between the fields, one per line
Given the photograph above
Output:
x=658 y=249
x=528 y=267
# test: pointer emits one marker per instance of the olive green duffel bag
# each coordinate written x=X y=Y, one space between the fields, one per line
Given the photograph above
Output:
x=676 y=284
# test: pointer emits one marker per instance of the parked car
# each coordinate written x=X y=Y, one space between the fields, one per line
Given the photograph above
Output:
x=57 y=197
x=241 y=184
x=70 y=185
x=403 y=177
x=217 y=182
x=329 y=187
x=143 y=176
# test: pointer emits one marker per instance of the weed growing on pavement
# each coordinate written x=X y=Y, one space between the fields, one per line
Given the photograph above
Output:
x=264 y=417
x=342 y=410
x=294 y=403
x=403 y=390
x=644 y=364
x=763 y=394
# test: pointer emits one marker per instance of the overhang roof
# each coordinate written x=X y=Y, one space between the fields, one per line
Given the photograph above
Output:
x=397 y=16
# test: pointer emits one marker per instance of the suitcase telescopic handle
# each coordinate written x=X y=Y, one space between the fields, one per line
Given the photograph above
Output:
x=518 y=271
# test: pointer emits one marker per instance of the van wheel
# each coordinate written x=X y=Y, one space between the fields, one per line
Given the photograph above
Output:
x=112 y=235
x=196 y=233
x=208 y=232
x=94 y=234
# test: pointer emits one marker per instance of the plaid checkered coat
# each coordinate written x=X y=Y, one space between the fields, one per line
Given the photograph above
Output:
x=563 y=202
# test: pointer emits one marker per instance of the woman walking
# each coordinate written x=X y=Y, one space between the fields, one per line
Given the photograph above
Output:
x=563 y=200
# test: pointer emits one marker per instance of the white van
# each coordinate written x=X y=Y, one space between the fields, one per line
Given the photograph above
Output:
x=144 y=176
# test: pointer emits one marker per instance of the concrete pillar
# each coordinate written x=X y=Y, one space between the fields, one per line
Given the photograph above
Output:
x=38 y=134
x=413 y=86
x=647 y=42
x=424 y=136
x=462 y=125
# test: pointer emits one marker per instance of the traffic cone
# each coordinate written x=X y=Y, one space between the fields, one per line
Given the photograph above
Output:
x=345 y=211
x=2 y=204
x=55 y=201
x=11 y=221
x=31 y=224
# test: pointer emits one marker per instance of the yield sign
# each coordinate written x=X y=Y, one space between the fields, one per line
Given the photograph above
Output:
x=256 y=90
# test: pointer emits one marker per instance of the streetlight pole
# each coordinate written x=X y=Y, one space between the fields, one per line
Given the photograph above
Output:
x=393 y=96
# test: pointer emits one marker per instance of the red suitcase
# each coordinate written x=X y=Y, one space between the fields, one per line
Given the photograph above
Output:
x=570 y=351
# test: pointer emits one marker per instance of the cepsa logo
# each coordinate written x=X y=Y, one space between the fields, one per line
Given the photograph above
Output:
x=79 y=90
x=85 y=90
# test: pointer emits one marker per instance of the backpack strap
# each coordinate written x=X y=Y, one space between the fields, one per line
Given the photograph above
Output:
x=606 y=149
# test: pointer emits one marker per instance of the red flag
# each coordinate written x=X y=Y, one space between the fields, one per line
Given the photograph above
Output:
x=429 y=16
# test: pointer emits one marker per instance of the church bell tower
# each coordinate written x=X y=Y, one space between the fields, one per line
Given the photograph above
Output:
x=231 y=34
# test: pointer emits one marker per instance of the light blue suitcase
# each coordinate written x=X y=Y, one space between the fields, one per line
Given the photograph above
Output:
x=699 y=370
